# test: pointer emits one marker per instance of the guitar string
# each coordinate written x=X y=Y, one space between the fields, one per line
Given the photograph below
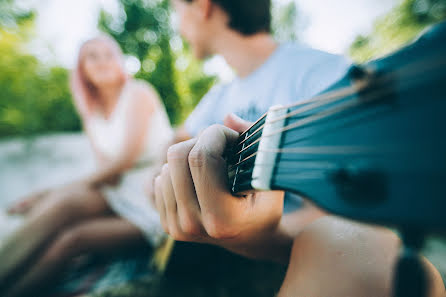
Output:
x=324 y=150
x=430 y=61
x=330 y=97
x=251 y=135
x=343 y=92
x=330 y=112
x=301 y=122
x=308 y=171
x=255 y=123
x=407 y=84
x=325 y=114
x=318 y=105
x=318 y=101
x=311 y=119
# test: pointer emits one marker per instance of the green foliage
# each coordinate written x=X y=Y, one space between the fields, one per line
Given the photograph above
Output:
x=12 y=15
x=143 y=30
x=33 y=98
x=285 y=23
x=400 y=26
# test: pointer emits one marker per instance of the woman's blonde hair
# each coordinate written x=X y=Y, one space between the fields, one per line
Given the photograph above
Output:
x=84 y=92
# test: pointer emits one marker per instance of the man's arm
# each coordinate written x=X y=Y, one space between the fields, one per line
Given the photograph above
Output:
x=195 y=205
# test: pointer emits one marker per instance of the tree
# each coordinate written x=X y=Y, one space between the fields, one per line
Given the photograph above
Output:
x=286 y=21
x=11 y=14
x=401 y=25
x=34 y=98
x=143 y=30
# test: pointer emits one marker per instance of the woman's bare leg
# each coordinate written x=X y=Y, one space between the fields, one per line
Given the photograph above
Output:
x=105 y=234
x=27 y=203
x=338 y=258
x=50 y=217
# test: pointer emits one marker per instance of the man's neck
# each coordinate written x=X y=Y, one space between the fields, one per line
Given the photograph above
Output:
x=245 y=53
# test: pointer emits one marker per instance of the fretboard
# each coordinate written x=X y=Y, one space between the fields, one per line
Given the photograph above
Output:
x=251 y=165
x=241 y=158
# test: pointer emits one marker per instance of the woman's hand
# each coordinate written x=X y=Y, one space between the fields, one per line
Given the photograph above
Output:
x=27 y=203
x=194 y=202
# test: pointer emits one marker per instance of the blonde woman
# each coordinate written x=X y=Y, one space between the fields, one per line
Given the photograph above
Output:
x=129 y=133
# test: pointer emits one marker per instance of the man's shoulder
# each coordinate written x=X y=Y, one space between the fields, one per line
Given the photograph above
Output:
x=296 y=53
x=309 y=70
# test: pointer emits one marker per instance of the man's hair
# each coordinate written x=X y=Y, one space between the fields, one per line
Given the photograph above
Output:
x=247 y=16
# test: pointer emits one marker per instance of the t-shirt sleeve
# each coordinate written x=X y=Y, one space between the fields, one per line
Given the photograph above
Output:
x=203 y=115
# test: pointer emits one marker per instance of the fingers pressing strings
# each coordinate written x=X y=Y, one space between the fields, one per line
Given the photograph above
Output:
x=159 y=203
x=207 y=157
x=183 y=185
x=170 y=203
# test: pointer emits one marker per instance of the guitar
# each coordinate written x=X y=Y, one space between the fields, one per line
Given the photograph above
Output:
x=372 y=147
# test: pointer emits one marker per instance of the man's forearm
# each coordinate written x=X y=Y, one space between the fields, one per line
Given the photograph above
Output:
x=275 y=247
x=293 y=223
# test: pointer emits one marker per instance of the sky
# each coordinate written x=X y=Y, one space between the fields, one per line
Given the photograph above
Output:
x=334 y=24
x=330 y=25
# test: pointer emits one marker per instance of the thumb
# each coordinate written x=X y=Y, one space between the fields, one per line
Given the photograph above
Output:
x=235 y=123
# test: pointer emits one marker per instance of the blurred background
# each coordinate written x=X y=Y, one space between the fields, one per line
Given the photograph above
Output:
x=39 y=41
x=40 y=140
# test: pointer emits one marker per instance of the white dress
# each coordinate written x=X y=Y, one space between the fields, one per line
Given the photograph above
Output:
x=128 y=198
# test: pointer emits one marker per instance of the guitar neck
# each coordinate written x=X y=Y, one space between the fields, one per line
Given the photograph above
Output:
x=367 y=148
x=251 y=166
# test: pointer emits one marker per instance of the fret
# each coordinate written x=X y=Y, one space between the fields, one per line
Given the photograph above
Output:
x=255 y=127
x=240 y=173
x=249 y=151
x=243 y=173
x=237 y=170
x=248 y=139
x=242 y=187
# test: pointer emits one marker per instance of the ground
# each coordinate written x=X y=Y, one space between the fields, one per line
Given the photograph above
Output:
x=33 y=164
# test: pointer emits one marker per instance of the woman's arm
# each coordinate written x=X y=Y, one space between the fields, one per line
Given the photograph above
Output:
x=101 y=159
x=143 y=104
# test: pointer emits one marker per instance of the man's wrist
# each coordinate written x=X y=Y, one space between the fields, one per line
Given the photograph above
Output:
x=273 y=246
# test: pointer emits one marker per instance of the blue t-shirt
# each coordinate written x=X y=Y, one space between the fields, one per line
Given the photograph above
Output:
x=294 y=72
